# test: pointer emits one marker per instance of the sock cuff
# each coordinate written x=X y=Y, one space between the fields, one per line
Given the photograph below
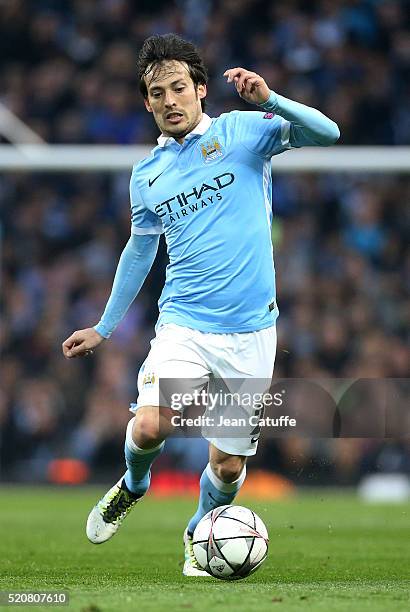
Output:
x=130 y=444
x=225 y=487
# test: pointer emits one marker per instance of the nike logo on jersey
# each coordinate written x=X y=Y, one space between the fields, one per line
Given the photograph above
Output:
x=151 y=182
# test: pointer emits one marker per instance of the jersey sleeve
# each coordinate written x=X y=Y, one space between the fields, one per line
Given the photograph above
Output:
x=143 y=220
x=264 y=134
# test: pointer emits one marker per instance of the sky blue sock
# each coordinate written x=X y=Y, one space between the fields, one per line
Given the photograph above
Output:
x=213 y=493
x=138 y=460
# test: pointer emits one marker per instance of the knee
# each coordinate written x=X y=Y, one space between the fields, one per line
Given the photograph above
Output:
x=146 y=431
x=229 y=469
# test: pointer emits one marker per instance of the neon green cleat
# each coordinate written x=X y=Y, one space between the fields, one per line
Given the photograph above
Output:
x=107 y=516
x=191 y=565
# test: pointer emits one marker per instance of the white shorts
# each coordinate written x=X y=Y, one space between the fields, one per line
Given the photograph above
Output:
x=179 y=353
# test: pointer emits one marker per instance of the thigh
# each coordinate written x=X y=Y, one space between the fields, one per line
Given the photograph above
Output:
x=253 y=354
x=246 y=372
x=173 y=366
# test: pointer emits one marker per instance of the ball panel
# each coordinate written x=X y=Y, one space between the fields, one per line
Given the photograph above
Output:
x=225 y=528
x=217 y=512
x=235 y=551
x=219 y=567
x=202 y=530
x=200 y=552
x=258 y=552
x=260 y=527
x=245 y=568
x=239 y=513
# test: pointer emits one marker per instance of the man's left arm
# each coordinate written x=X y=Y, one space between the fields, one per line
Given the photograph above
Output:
x=307 y=125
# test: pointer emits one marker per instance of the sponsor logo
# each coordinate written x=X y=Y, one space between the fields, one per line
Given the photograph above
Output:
x=211 y=150
x=187 y=202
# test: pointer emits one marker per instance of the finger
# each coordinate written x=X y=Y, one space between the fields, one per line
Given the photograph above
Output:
x=70 y=341
x=252 y=84
x=75 y=338
x=240 y=82
x=233 y=73
x=77 y=351
x=66 y=351
x=67 y=346
x=244 y=79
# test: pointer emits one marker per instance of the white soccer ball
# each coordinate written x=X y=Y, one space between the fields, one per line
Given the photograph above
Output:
x=230 y=542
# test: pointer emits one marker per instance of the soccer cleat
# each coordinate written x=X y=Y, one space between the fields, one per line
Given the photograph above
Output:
x=191 y=565
x=107 y=516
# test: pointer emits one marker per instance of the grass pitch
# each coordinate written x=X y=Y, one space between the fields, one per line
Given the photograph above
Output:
x=327 y=552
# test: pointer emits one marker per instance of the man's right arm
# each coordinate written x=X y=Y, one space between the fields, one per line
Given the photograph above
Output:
x=135 y=263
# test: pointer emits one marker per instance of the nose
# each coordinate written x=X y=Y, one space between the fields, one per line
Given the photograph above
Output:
x=169 y=99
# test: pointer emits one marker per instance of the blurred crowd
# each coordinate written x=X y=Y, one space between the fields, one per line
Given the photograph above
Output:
x=340 y=241
x=68 y=67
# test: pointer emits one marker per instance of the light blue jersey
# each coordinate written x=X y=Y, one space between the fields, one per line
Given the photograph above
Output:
x=212 y=197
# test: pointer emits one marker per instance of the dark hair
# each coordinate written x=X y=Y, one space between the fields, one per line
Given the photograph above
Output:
x=157 y=49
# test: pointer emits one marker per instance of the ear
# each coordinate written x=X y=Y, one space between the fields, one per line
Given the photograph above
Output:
x=202 y=91
x=147 y=105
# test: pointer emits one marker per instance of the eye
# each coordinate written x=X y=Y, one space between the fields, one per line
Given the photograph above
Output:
x=179 y=89
x=156 y=94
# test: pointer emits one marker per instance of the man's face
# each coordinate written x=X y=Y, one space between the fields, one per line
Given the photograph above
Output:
x=173 y=98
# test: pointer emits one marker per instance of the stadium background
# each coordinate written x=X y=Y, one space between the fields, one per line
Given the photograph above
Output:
x=68 y=71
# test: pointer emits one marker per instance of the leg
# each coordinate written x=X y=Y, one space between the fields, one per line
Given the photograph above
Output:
x=226 y=470
x=226 y=467
x=172 y=356
x=219 y=484
x=144 y=441
x=151 y=425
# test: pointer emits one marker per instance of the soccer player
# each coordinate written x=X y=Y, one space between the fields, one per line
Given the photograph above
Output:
x=207 y=187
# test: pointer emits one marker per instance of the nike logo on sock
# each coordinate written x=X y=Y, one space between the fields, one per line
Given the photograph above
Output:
x=151 y=182
x=213 y=498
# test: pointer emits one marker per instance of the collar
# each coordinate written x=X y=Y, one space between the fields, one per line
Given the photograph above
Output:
x=201 y=128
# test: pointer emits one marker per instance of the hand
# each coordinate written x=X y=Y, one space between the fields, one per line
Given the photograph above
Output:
x=249 y=85
x=81 y=343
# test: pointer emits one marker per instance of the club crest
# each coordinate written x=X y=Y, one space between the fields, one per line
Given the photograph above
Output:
x=148 y=380
x=211 y=150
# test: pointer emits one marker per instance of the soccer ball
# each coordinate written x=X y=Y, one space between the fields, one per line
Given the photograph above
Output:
x=230 y=542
